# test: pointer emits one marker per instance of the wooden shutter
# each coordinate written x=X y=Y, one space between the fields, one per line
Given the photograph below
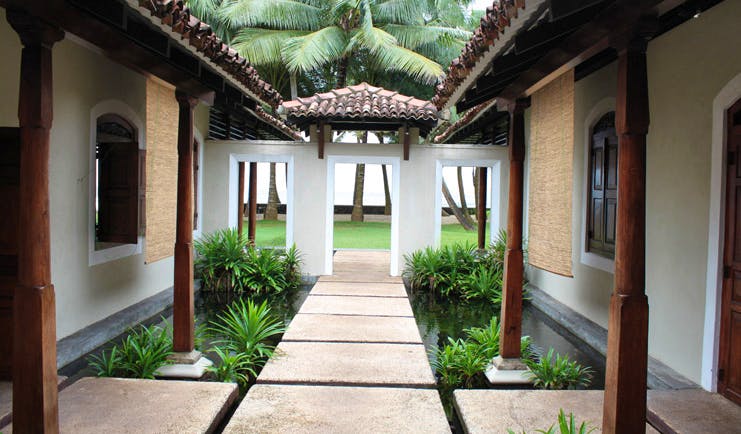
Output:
x=142 y=171
x=196 y=168
x=10 y=162
x=118 y=192
x=602 y=206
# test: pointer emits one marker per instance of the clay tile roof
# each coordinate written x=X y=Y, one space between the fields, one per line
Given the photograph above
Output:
x=495 y=21
x=277 y=123
x=471 y=115
x=199 y=35
x=357 y=102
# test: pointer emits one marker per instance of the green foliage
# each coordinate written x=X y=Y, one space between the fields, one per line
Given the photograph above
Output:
x=459 y=271
x=564 y=426
x=558 y=372
x=140 y=355
x=487 y=338
x=232 y=367
x=247 y=328
x=227 y=262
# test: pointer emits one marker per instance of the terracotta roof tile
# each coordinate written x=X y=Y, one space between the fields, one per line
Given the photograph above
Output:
x=469 y=116
x=496 y=19
x=199 y=35
x=362 y=100
x=277 y=123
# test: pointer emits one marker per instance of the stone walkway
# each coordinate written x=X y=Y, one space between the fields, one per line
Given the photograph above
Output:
x=352 y=360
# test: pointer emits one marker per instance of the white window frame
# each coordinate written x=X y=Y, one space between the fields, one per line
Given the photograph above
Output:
x=586 y=257
x=198 y=183
x=96 y=257
x=494 y=167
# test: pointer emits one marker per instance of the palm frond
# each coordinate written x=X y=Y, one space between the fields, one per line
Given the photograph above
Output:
x=263 y=46
x=274 y=14
x=400 y=11
x=412 y=37
x=417 y=66
x=305 y=53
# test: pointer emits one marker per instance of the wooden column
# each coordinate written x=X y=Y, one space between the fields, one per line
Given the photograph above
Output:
x=627 y=337
x=183 y=326
x=253 y=203
x=511 y=316
x=34 y=341
x=240 y=200
x=481 y=210
x=320 y=139
x=407 y=142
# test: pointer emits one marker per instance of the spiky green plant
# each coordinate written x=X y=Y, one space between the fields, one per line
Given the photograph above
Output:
x=107 y=364
x=265 y=271
x=484 y=283
x=221 y=261
x=564 y=426
x=247 y=328
x=232 y=367
x=487 y=338
x=557 y=372
x=142 y=352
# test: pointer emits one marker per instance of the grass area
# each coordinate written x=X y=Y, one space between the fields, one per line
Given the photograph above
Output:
x=354 y=235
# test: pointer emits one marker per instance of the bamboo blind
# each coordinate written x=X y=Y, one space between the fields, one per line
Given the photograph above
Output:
x=162 y=171
x=551 y=172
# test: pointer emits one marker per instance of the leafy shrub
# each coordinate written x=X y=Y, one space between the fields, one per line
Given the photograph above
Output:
x=484 y=283
x=232 y=367
x=564 y=426
x=227 y=262
x=558 y=372
x=140 y=355
x=247 y=328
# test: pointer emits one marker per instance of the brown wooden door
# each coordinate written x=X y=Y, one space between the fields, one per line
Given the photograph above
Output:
x=729 y=369
x=602 y=206
x=9 y=196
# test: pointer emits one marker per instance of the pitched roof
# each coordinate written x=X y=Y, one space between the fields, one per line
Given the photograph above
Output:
x=358 y=103
x=469 y=116
x=278 y=124
x=496 y=21
x=199 y=35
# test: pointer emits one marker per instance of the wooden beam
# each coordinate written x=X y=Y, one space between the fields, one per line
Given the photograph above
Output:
x=320 y=139
x=511 y=316
x=35 y=407
x=182 y=311
x=253 y=203
x=481 y=210
x=407 y=141
x=627 y=336
x=240 y=199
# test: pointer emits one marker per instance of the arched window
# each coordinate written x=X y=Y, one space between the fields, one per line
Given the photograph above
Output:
x=119 y=182
x=602 y=203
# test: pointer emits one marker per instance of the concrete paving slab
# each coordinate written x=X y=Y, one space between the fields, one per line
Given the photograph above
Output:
x=692 y=411
x=119 y=405
x=369 y=289
x=369 y=306
x=332 y=409
x=344 y=328
x=495 y=411
x=361 y=266
x=349 y=364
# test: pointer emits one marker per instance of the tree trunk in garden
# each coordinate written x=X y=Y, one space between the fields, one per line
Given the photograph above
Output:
x=342 y=72
x=462 y=195
x=271 y=210
x=475 y=175
x=386 y=192
x=294 y=86
x=456 y=211
x=357 y=200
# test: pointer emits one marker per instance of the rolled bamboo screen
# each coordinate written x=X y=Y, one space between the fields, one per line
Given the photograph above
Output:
x=551 y=172
x=162 y=171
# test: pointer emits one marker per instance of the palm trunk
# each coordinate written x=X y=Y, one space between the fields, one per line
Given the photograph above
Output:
x=456 y=211
x=342 y=72
x=357 y=200
x=294 y=86
x=475 y=174
x=271 y=210
x=462 y=195
x=386 y=192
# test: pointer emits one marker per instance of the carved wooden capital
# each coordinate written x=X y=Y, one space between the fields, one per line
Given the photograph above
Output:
x=32 y=31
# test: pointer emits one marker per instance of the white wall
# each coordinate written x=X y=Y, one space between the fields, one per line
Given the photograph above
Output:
x=687 y=67
x=82 y=79
x=417 y=188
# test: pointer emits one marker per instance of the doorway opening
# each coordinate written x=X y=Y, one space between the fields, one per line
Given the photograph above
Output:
x=357 y=201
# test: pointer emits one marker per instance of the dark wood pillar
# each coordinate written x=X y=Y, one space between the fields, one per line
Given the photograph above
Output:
x=627 y=336
x=183 y=326
x=253 y=203
x=34 y=341
x=320 y=139
x=481 y=210
x=240 y=200
x=407 y=142
x=511 y=316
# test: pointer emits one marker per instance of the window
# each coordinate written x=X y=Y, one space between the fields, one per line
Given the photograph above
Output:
x=120 y=183
x=196 y=170
x=603 y=177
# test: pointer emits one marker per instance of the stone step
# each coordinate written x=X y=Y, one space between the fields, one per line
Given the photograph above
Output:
x=332 y=409
x=369 y=289
x=356 y=364
x=692 y=411
x=121 y=405
x=369 y=306
x=350 y=328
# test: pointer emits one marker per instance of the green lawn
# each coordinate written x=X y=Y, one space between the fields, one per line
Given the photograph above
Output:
x=353 y=235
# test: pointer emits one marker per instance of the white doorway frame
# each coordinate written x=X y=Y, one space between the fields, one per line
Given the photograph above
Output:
x=730 y=93
x=494 y=167
x=332 y=161
x=234 y=160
